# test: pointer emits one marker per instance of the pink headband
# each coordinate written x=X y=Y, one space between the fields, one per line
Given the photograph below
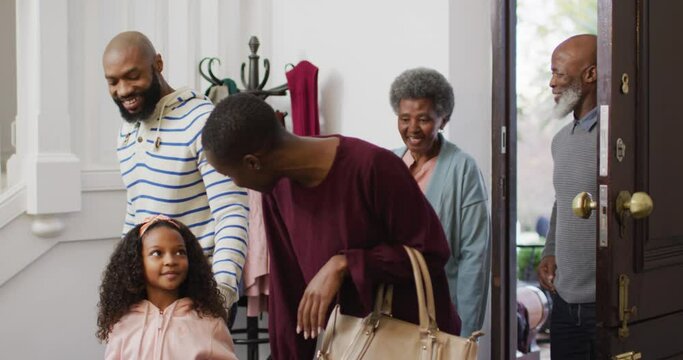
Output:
x=155 y=219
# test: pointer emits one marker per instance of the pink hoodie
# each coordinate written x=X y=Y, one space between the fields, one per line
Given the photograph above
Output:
x=176 y=333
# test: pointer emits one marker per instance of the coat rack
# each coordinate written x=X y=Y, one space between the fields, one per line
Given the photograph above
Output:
x=252 y=84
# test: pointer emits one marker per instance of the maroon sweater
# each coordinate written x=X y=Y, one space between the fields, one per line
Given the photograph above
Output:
x=367 y=207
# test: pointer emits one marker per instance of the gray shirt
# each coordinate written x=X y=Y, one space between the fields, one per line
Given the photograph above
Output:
x=572 y=239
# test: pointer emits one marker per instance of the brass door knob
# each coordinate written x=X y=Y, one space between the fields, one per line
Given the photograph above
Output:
x=583 y=205
x=639 y=205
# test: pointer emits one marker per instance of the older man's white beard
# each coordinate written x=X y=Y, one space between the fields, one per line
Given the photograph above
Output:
x=567 y=102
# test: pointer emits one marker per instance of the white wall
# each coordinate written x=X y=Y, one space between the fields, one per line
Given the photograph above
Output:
x=470 y=75
x=48 y=286
x=359 y=47
x=49 y=311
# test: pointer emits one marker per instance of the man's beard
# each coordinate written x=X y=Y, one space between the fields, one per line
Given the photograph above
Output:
x=568 y=100
x=150 y=98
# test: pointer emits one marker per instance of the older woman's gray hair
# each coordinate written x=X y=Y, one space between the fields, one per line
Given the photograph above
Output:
x=421 y=83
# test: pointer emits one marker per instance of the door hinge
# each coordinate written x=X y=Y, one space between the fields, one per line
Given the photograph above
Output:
x=625 y=312
x=503 y=140
x=631 y=355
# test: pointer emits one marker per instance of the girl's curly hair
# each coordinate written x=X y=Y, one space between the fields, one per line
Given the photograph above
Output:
x=123 y=281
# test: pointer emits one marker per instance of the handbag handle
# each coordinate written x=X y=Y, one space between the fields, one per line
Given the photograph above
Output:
x=428 y=289
x=384 y=299
x=423 y=287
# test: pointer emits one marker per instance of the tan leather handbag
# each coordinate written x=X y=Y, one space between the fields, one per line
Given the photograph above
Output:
x=381 y=337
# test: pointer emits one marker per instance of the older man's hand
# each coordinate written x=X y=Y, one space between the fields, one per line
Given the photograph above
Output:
x=546 y=272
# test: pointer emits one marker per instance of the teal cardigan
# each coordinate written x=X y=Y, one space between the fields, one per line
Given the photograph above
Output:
x=458 y=194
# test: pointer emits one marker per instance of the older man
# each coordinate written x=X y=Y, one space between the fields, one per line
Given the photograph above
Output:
x=162 y=159
x=568 y=265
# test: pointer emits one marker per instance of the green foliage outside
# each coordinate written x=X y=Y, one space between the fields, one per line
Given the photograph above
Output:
x=524 y=257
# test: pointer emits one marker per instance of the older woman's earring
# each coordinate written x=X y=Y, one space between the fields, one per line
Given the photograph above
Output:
x=257 y=167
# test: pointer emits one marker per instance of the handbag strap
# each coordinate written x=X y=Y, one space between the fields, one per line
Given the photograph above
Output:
x=419 y=289
x=429 y=291
x=383 y=299
x=388 y=300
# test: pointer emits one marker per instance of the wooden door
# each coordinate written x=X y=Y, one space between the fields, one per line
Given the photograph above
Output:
x=640 y=261
x=504 y=189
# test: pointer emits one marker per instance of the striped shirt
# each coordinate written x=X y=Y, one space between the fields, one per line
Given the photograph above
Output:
x=176 y=180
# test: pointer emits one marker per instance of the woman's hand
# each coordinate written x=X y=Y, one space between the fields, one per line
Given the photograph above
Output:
x=318 y=296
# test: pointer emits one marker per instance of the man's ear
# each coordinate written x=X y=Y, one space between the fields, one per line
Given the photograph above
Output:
x=251 y=162
x=591 y=74
x=158 y=63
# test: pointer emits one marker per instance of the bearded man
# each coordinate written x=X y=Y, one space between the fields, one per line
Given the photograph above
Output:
x=568 y=265
x=163 y=164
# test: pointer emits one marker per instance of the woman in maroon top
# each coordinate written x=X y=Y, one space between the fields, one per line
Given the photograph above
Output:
x=337 y=211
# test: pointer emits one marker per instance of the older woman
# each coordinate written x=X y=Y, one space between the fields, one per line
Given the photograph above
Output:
x=450 y=179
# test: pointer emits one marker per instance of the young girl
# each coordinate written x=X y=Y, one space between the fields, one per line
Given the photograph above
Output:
x=158 y=298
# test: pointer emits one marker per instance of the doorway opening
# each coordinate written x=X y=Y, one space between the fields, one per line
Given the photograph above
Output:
x=540 y=27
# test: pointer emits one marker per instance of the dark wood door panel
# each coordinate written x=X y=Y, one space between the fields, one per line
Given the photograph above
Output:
x=641 y=40
x=647 y=338
x=664 y=252
x=659 y=292
x=660 y=129
x=653 y=293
